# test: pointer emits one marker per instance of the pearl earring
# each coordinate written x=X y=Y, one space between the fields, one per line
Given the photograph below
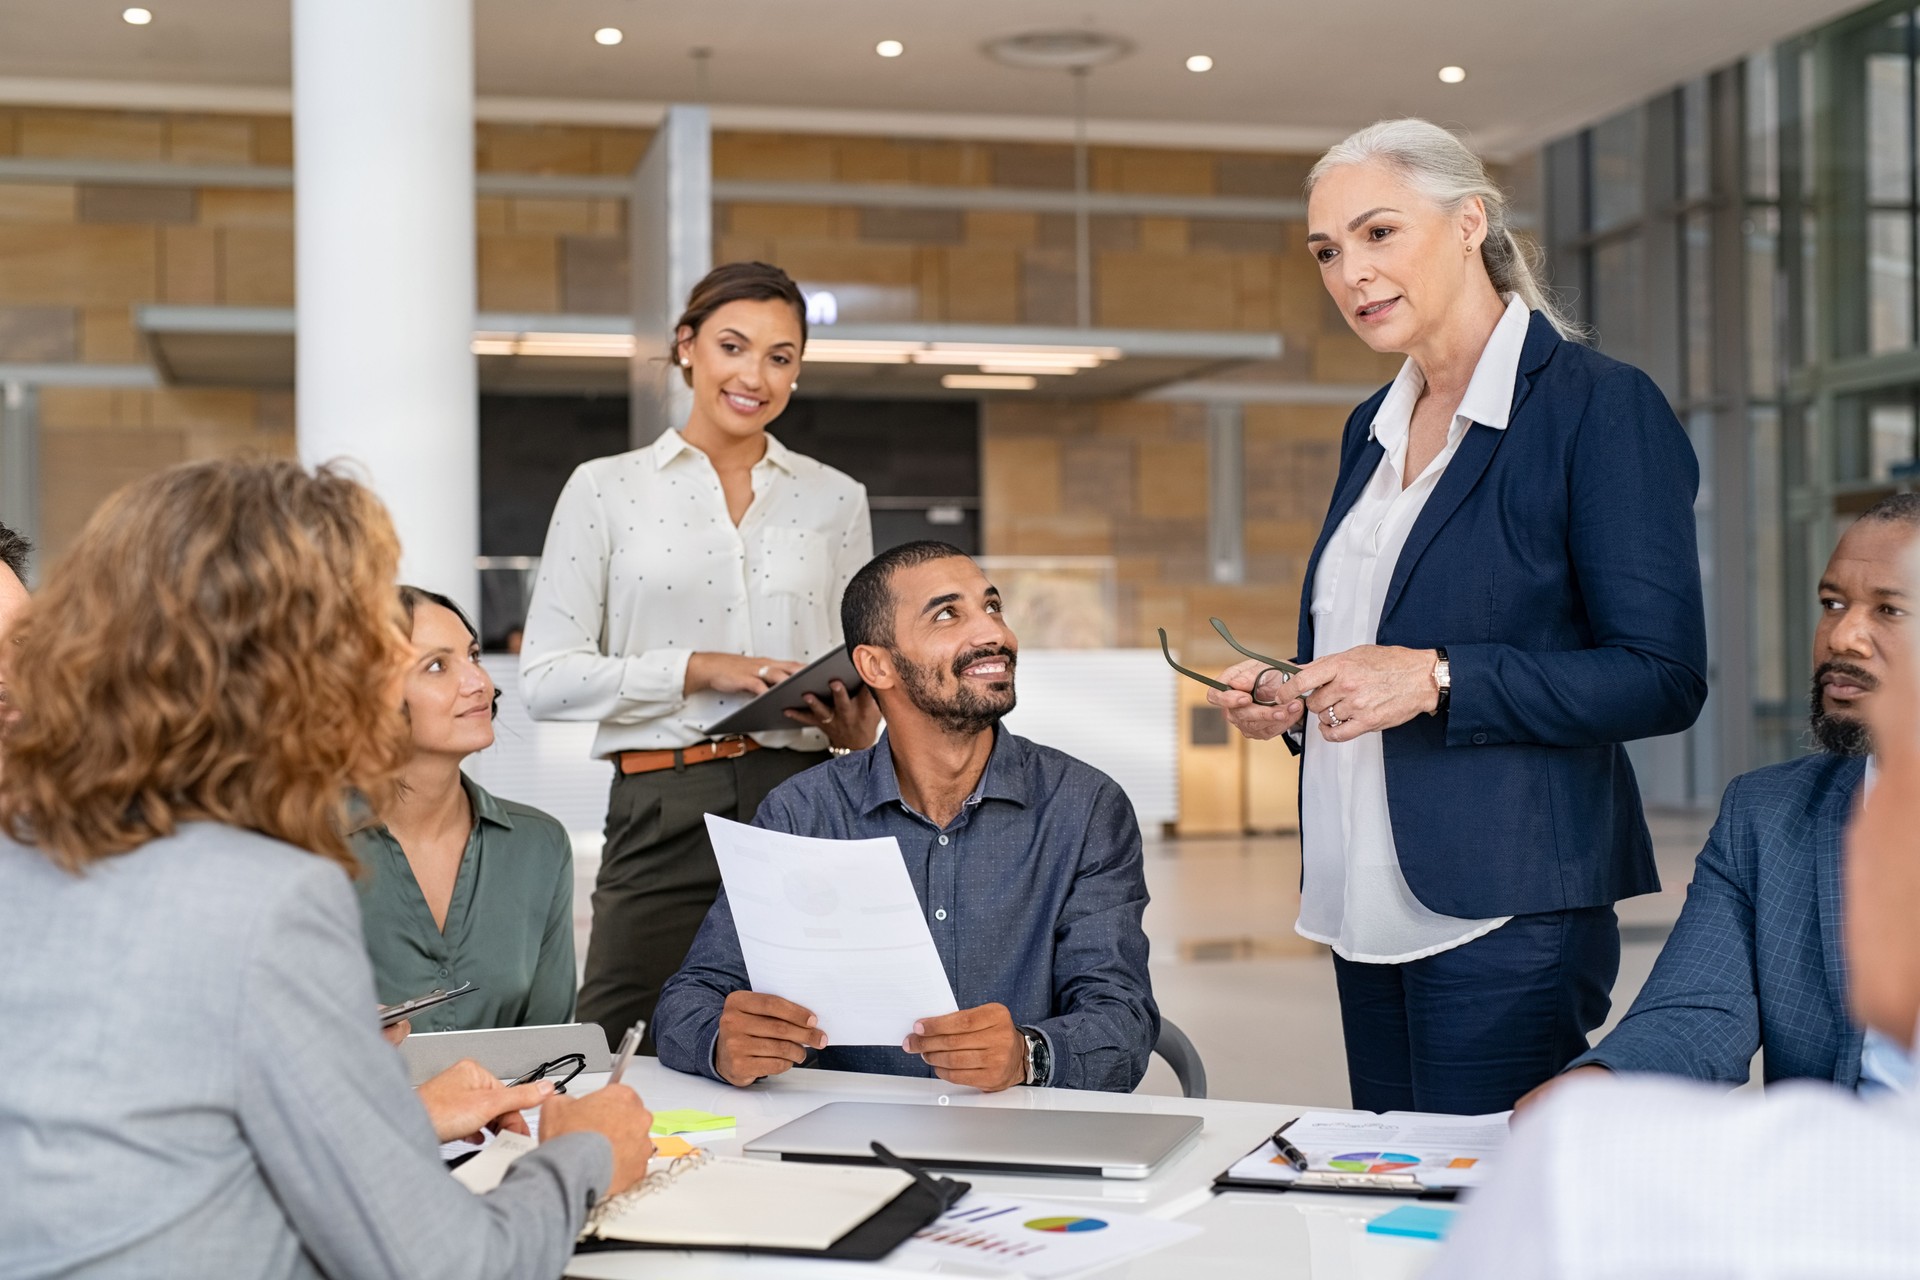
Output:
x=685 y=363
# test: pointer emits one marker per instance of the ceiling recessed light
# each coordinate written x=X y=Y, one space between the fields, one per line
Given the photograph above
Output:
x=889 y=48
x=137 y=17
x=1452 y=75
x=608 y=35
x=1199 y=62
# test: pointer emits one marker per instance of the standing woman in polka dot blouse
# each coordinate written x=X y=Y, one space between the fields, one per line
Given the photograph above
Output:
x=680 y=581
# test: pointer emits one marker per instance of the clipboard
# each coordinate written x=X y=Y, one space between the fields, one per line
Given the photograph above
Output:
x=1376 y=1184
x=892 y=1225
x=767 y=713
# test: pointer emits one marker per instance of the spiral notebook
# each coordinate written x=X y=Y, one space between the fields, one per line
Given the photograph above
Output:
x=704 y=1201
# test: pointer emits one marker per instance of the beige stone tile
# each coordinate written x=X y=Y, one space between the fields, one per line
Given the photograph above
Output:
x=593 y=275
x=1163 y=235
x=834 y=263
x=952 y=164
x=38 y=202
x=551 y=217
x=256 y=266
x=1172 y=480
x=618 y=151
x=783 y=221
x=1157 y=170
x=94 y=135
x=274 y=412
x=203 y=409
x=1275 y=177
x=1020 y=477
x=874 y=160
x=1031 y=165
x=80 y=468
x=490 y=215
x=1237 y=235
x=1000 y=229
x=773 y=156
x=912 y=226
x=77 y=265
x=136 y=204
x=273 y=141
x=1054 y=535
x=246 y=207
x=1344 y=358
x=533 y=148
x=75 y=408
x=1049 y=287
x=609 y=217
x=38 y=335
x=1164 y=291
x=107 y=336
x=209 y=139
x=982 y=285
x=190 y=265
x=9 y=131
x=519 y=273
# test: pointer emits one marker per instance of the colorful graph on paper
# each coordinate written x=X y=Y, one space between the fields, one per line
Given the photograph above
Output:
x=1373 y=1162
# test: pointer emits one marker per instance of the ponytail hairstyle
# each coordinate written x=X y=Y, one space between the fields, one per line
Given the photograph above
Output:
x=1440 y=167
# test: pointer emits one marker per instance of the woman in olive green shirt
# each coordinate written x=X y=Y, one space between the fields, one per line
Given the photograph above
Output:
x=460 y=886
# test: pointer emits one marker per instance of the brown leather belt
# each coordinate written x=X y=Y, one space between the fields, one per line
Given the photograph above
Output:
x=632 y=762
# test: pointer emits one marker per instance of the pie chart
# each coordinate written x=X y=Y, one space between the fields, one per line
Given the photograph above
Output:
x=1373 y=1162
x=1066 y=1224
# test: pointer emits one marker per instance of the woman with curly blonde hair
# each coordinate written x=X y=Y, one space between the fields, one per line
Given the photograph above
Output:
x=203 y=683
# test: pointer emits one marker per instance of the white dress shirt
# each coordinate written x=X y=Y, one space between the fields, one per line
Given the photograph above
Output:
x=643 y=567
x=1643 y=1178
x=1353 y=897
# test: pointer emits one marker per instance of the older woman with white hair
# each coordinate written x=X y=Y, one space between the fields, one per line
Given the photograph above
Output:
x=1505 y=591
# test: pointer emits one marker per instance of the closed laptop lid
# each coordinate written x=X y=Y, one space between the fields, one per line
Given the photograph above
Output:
x=1109 y=1144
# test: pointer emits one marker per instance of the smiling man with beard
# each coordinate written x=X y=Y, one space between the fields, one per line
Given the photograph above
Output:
x=1755 y=960
x=1026 y=862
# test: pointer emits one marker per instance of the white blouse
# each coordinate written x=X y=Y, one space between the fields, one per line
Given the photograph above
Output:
x=643 y=567
x=1353 y=897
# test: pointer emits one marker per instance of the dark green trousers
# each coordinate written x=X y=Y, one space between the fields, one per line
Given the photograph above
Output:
x=658 y=876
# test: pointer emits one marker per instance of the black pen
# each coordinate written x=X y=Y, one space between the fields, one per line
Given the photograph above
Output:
x=1292 y=1154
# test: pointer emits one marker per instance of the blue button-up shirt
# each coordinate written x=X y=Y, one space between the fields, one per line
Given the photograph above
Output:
x=1034 y=894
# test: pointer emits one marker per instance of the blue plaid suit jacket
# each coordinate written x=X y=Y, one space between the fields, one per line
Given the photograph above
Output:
x=1755 y=960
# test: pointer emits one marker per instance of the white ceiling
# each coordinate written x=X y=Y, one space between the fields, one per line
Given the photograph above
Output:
x=1536 y=69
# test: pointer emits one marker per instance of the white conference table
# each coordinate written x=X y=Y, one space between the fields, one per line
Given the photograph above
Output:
x=1248 y=1233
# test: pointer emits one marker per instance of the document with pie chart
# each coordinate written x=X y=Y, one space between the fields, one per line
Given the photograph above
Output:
x=835 y=927
x=1443 y=1152
x=1033 y=1238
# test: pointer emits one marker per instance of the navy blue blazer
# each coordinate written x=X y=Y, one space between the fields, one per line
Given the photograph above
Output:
x=1555 y=562
x=1755 y=959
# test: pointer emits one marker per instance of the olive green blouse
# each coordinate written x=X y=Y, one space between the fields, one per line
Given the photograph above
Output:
x=509 y=927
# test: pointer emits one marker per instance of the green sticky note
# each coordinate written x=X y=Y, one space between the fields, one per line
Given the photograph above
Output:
x=689 y=1121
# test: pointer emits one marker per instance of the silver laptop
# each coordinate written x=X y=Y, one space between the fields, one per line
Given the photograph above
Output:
x=1107 y=1144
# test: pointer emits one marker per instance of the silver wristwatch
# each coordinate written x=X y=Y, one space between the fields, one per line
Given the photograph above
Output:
x=1039 y=1060
x=1443 y=680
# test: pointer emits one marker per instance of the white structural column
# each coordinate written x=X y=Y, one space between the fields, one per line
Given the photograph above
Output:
x=383 y=196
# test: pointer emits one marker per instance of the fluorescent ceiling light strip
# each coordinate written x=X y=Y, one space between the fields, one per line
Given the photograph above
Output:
x=989 y=382
x=1044 y=370
x=1009 y=348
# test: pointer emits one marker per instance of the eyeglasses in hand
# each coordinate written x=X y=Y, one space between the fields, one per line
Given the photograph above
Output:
x=1285 y=670
x=572 y=1063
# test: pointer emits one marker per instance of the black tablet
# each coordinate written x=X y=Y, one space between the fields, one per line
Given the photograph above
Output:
x=767 y=712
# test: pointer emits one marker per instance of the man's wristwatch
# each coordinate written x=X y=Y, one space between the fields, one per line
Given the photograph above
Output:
x=1039 y=1057
x=1443 y=678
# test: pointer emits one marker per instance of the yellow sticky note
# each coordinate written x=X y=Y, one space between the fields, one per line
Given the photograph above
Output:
x=669 y=1148
x=689 y=1121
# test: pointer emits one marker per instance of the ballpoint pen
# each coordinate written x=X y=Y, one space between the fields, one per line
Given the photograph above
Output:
x=1292 y=1154
x=628 y=1043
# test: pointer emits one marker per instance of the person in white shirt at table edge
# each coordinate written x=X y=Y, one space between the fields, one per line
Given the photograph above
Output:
x=680 y=581
x=1641 y=1177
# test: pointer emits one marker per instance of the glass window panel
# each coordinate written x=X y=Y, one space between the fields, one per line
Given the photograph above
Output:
x=1889 y=281
x=1763 y=302
x=1618 y=159
x=1616 y=298
x=1695 y=248
x=1695 y=173
x=1890 y=434
x=1810 y=340
x=1888 y=102
x=1763 y=127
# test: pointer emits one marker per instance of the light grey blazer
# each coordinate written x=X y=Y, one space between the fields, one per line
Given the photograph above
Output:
x=192 y=1084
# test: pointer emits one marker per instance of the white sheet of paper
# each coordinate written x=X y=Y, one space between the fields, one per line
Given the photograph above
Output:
x=1035 y=1237
x=1441 y=1151
x=835 y=927
x=483 y=1173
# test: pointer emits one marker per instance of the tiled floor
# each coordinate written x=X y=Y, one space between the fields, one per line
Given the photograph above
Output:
x=1257 y=999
